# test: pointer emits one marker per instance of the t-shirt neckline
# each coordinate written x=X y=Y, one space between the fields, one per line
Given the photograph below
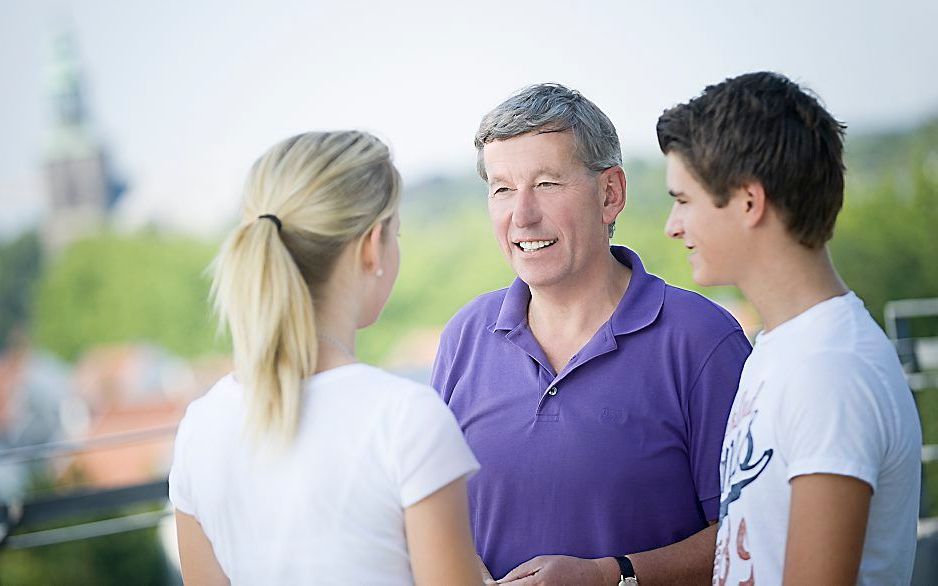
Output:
x=805 y=316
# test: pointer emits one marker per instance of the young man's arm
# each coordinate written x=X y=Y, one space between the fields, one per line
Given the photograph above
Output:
x=826 y=529
x=686 y=562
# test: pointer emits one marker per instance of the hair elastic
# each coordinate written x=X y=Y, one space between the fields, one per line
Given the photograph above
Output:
x=273 y=219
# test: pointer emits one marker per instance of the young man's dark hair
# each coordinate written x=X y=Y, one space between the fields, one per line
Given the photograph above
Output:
x=764 y=127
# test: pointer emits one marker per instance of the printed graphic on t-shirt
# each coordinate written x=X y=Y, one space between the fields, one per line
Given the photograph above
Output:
x=721 y=563
x=741 y=463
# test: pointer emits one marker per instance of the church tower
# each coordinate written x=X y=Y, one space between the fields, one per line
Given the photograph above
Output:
x=80 y=183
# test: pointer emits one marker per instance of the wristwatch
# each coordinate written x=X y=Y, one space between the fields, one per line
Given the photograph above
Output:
x=626 y=571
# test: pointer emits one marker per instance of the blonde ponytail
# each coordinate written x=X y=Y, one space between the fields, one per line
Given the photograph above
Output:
x=323 y=190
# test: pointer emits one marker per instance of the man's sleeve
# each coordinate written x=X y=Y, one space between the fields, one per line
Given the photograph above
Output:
x=441 y=375
x=708 y=407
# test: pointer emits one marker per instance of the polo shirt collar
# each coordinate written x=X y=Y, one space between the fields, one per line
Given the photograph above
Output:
x=637 y=309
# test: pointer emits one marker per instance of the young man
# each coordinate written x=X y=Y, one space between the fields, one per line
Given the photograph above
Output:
x=594 y=394
x=820 y=467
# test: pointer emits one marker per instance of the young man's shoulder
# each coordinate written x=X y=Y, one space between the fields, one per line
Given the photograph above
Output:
x=841 y=329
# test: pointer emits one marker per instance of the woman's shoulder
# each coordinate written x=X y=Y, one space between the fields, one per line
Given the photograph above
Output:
x=364 y=378
x=221 y=400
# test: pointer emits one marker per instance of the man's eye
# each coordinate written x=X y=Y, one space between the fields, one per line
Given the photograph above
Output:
x=500 y=191
x=547 y=184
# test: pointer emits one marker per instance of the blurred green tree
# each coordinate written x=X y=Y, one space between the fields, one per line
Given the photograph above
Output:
x=114 y=289
x=886 y=240
x=19 y=270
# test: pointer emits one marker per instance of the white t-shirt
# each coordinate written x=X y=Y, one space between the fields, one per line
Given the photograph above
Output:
x=330 y=508
x=821 y=393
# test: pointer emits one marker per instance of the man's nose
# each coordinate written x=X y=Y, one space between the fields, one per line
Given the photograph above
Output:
x=526 y=211
x=674 y=227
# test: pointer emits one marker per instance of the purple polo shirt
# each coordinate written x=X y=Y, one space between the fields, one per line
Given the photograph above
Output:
x=617 y=453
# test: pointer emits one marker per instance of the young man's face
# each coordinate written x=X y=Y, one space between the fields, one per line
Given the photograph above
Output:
x=713 y=235
x=546 y=207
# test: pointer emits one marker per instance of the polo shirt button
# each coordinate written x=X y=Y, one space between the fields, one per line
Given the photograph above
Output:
x=552 y=391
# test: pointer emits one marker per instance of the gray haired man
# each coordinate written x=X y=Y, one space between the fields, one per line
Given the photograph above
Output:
x=594 y=395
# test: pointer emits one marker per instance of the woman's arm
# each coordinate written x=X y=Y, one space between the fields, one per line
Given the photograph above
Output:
x=826 y=529
x=439 y=538
x=196 y=555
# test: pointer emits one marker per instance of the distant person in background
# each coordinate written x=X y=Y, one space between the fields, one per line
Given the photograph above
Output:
x=594 y=394
x=305 y=466
x=821 y=461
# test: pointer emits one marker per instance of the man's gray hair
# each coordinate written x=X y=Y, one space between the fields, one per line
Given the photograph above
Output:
x=551 y=107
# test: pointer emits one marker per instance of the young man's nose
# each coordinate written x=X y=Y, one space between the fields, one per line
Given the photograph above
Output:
x=674 y=227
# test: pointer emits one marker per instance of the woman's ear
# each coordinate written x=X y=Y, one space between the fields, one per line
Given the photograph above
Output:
x=371 y=249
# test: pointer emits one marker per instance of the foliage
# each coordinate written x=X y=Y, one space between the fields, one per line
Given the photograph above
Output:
x=134 y=557
x=19 y=269
x=111 y=289
x=885 y=244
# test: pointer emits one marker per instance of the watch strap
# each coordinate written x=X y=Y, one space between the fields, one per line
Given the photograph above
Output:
x=626 y=570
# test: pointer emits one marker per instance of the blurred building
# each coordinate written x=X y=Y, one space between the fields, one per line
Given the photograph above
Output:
x=80 y=182
x=133 y=388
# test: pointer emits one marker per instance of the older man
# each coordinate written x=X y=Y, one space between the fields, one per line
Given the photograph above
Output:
x=594 y=395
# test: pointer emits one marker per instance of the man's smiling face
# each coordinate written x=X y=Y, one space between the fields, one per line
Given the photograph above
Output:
x=546 y=207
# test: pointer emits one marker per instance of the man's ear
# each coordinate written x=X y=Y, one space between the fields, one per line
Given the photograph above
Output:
x=371 y=248
x=612 y=183
x=753 y=203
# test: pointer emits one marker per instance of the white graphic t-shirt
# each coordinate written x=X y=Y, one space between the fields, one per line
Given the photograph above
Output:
x=821 y=393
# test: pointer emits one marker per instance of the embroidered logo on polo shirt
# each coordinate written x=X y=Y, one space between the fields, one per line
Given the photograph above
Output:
x=612 y=415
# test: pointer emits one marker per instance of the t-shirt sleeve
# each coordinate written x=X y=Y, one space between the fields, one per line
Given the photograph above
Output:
x=709 y=404
x=427 y=447
x=833 y=418
x=179 y=475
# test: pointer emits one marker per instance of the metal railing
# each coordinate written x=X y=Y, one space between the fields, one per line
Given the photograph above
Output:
x=918 y=354
x=20 y=519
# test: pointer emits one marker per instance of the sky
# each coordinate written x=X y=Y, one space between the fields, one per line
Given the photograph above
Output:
x=187 y=94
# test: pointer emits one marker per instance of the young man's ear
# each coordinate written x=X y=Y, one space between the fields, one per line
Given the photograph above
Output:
x=753 y=202
x=614 y=194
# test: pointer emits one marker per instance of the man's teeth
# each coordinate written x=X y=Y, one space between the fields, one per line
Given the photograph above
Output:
x=535 y=245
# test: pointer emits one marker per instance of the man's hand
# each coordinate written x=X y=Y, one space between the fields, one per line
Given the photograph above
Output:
x=560 y=570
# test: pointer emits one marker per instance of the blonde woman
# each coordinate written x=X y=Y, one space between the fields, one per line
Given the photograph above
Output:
x=304 y=465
